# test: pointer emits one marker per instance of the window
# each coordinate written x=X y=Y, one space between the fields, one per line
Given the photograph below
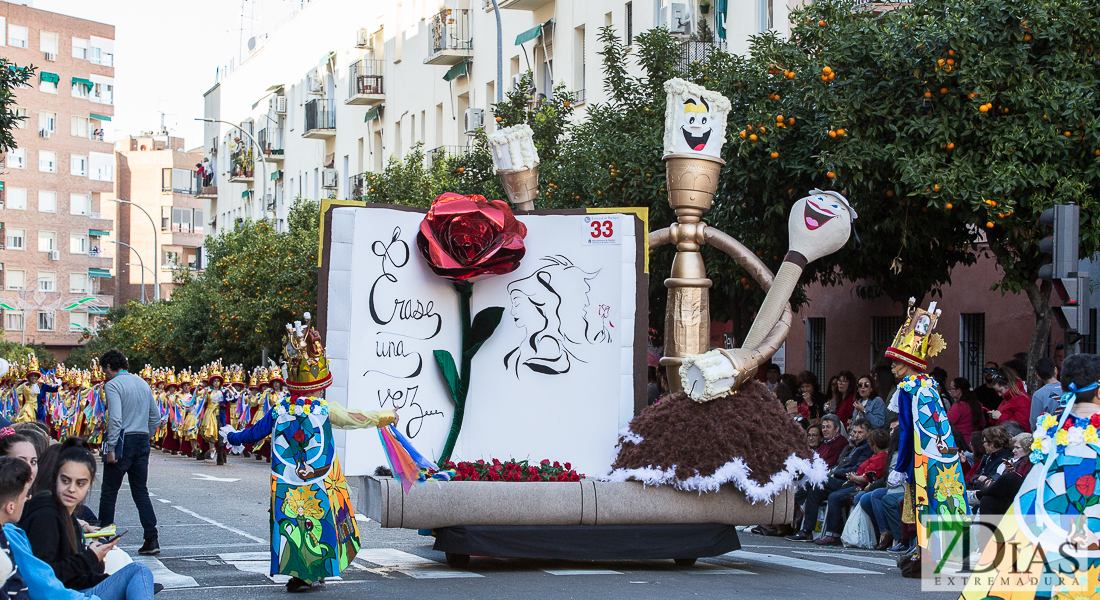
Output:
x=79 y=165
x=13 y=321
x=78 y=243
x=103 y=93
x=3 y=28
x=101 y=166
x=81 y=90
x=17 y=36
x=767 y=13
x=47 y=201
x=17 y=159
x=16 y=239
x=79 y=204
x=48 y=86
x=815 y=347
x=181 y=181
x=102 y=51
x=47 y=121
x=47 y=161
x=171 y=258
x=972 y=346
x=45 y=320
x=78 y=321
x=179 y=220
x=47 y=241
x=78 y=283
x=629 y=23
x=47 y=281
x=15 y=280
x=883 y=330
x=80 y=48
x=17 y=198
x=197 y=221
x=20 y=112
x=78 y=126
x=47 y=42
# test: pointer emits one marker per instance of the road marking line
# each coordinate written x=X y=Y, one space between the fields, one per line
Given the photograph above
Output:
x=165 y=576
x=217 y=524
x=164 y=501
x=797 y=563
x=702 y=568
x=205 y=477
x=878 y=560
x=412 y=565
x=256 y=562
x=359 y=517
x=201 y=547
x=581 y=572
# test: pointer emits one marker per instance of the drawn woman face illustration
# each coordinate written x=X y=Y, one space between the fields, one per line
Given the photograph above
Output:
x=524 y=312
x=923 y=325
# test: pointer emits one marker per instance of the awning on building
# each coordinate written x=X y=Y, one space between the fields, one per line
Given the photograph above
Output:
x=93 y=272
x=99 y=117
x=98 y=233
x=326 y=58
x=84 y=82
x=277 y=175
x=246 y=194
x=97 y=310
x=277 y=86
x=529 y=35
x=50 y=77
x=1 y=186
x=373 y=113
x=456 y=71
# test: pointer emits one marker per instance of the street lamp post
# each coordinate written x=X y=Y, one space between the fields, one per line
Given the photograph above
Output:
x=258 y=153
x=156 y=248
x=142 y=267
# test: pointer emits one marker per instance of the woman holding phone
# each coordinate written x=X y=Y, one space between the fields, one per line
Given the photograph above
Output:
x=56 y=537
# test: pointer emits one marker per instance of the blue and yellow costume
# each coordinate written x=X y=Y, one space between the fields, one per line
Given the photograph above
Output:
x=313 y=530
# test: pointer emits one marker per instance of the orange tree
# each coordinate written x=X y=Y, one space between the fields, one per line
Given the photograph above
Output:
x=962 y=120
x=256 y=280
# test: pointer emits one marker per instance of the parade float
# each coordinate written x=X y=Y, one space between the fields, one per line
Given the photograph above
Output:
x=518 y=337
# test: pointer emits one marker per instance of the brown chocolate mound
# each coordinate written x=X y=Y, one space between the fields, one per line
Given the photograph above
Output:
x=700 y=437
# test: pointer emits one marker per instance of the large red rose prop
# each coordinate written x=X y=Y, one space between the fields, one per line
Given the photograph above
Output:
x=466 y=238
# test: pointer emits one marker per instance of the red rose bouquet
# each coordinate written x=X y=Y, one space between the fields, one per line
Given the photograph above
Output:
x=511 y=470
x=464 y=239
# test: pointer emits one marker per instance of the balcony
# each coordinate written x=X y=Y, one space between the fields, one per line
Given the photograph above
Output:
x=692 y=51
x=365 y=83
x=272 y=152
x=516 y=4
x=320 y=119
x=241 y=162
x=442 y=152
x=358 y=187
x=451 y=42
x=209 y=192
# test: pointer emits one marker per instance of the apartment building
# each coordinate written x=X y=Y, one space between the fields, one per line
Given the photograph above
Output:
x=344 y=86
x=55 y=263
x=160 y=216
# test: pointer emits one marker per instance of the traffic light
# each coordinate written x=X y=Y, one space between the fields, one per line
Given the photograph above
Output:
x=1071 y=284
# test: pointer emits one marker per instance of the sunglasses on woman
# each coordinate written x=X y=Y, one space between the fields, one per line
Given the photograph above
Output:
x=865 y=384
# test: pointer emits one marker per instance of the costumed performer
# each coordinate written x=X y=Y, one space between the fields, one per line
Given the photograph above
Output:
x=313 y=530
x=928 y=456
x=28 y=392
x=213 y=417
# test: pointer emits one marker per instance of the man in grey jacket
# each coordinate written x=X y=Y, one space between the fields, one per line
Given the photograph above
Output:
x=132 y=416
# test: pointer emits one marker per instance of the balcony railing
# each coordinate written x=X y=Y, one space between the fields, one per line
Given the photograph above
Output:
x=442 y=152
x=365 y=82
x=451 y=42
x=358 y=186
x=691 y=51
x=241 y=162
x=183 y=185
x=320 y=118
x=272 y=150
x=577 y=96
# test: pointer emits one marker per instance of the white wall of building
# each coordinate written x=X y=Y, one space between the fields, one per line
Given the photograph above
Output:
x=419 y=106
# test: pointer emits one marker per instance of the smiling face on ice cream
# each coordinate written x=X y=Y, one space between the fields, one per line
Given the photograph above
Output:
x=695 y=119
x=820 y=224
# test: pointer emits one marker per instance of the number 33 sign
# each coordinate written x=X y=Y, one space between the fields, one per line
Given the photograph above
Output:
x=601 y=229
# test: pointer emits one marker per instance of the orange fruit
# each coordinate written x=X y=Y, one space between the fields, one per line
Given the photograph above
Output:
x=827 y=70
x=890 y=193
x=989 y=225
x=943 y=90
x=779 y=118
x=1097 y=153
x=951 y=53
x=940 y=62
x=937 y=187
x=753 y=137
x=832 y=133
x=822 y=23
x=499 y=119
x=928 y=94
x=742 y=134
x=984 y=108
x=951 y=146
x=461 y=169
x=840 y=132
x=824 y=78
x=831 y=175
x=1027 y=38
x=775 y=155
x=790 y=120
x=763 y=129
x=949 y=206
x=1067 y=134
x=950 y=61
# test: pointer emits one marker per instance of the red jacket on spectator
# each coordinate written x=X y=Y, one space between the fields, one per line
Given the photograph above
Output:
x=846 y=409
x=830 y=450
x=962 y=422
x=876 y=463
x=1016 y=407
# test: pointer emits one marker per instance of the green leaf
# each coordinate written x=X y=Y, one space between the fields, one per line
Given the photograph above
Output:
x=485 y=323
x=449 y=371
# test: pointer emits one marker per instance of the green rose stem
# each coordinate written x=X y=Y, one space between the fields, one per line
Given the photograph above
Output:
x=474 y=334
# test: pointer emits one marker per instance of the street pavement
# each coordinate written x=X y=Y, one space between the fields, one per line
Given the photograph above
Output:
x=214 y=544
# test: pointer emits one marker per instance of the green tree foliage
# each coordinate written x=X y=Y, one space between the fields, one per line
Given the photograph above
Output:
x=256 y=280
x=12 y=78
x=15 y=352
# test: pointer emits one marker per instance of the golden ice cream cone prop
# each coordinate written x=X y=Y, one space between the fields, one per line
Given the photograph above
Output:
x=692 y=182
x=522 y=187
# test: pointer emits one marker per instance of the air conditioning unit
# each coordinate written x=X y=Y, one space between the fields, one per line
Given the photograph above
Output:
x=55 y=255
x=44 y=134
x=474 y=120
x=362 y=40
x=280 y=105
x=677 y=17
x=50 y=56
x=316 y=84
x=329 y=178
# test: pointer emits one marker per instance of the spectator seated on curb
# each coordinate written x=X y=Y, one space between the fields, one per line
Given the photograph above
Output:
x=870 y=499
x=998 y=452
x=870 y=470
x=868 y=404
x=853 y=456
x=997 y=496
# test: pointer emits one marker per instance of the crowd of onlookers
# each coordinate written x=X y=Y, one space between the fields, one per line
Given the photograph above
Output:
x=46 y=526
x=850 y=427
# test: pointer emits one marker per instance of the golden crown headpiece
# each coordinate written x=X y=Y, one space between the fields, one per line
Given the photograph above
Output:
x=147 y=372
x=97 y=375
x=275 y=373
x=170 y=379
x=307 y=366
x=915 y=343
x=236 y=375
x=259 y=378
x=185 y=377
x=215 y=372
x=85 y=379
x=32 y=366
